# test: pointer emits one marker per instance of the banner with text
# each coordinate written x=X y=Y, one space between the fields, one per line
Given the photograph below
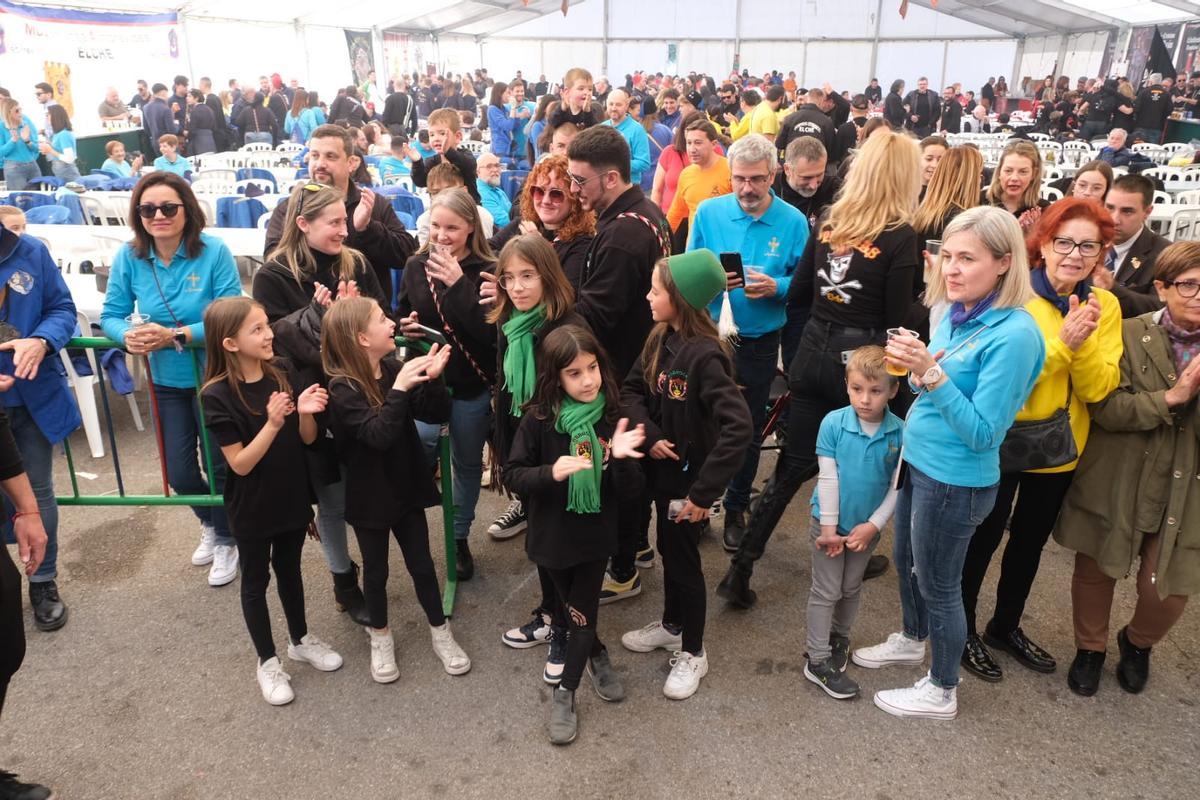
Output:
x=82 y=53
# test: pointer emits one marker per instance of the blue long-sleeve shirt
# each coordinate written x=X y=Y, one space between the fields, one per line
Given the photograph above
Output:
x=771 y=244
x=502 y=127
x=188 y=285
x=494 y=200
x=639 y=146
x=953 y=433
x=13 y=148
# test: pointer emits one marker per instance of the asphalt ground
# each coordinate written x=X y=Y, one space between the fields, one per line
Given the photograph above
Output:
x=149 y=690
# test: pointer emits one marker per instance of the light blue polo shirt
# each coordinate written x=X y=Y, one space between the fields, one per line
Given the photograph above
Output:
x=865 y=464
x=771 y=244
x=180 y=166
x=639 y=146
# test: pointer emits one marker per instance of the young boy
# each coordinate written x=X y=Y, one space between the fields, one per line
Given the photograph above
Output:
x=858 y=448
x=445 y=135
x=446 y=176
x=396 y=165
x=170 y=160
x=13 y=218
x=577 y=107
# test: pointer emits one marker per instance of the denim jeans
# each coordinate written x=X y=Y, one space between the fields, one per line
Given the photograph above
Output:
x=37 y=456
x=331 y=524
x=933 y=528
x=1093 y=130
x=470 y=423
x=64 y=172
x=180 y=419
x=754 y=361
x=17 y=174
x=1148 y=135
x=257 y=137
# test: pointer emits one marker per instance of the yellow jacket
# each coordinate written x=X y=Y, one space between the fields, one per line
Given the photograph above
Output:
x=1094 y=369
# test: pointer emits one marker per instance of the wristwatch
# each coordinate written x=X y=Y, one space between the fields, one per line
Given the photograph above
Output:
x=180 y=339
x=932 y=376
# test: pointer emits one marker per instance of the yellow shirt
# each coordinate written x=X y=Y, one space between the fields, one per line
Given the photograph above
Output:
x=740 y=128
x=764 y=120
x=695 y=186
x=1094 y=369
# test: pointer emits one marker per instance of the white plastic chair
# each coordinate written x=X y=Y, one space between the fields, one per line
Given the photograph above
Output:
x=221 y=173
x=400 y=180
x=264 y=220
x=256 y=147
x=204 y=184
x=290 y=148
x=1185 y=226
x=85 y=397
x=1051 y=173
x=1039 y=137
x=1050 y=193
x=474 y=148
x=93 y=211
x=1161 y=197
x=1189 y=198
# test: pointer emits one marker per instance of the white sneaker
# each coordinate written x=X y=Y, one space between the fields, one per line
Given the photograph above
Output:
x=203 y=554
x=315 y=652
x=651 y=638
x=898 y=649
x=275 y=683
x=686 y=672
x=224 y=565
x=923 y=699
x=383 y=657
x=453 y=658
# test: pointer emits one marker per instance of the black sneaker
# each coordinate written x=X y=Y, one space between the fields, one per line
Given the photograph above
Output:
x=735 y=529
x=532 y=633
x=13 y=789
x=510 y=523
x=840 y=645
x=557 y=659
x=464 y=561
x=644 y=558
x=49 y=611
x=833 y=681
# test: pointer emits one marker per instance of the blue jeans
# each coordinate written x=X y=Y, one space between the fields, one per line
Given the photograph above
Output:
x=754 y=364
x=37 y=456
x=331 y=524
x=64 y=172
x=180 y=419
x=17 y=174
x=933 y=529
x=1148 y=135
x=470 y=423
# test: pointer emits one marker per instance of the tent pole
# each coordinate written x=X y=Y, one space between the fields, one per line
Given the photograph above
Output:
x=1016 y=69
x=604 y=42
x=737 y=30
x=1060 y=61
x=188 y=39
x=875 y=38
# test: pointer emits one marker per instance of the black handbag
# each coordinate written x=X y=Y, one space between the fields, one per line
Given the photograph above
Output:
x=1041 y=443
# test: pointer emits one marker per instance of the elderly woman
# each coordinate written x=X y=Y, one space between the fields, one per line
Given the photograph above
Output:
x=548 y=207
x=169 y=274
x=1124 y=506
x=990 y=352
x=1081 y=325
x=39 y=318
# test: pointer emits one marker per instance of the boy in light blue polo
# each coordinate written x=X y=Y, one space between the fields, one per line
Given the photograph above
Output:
x=858 y=448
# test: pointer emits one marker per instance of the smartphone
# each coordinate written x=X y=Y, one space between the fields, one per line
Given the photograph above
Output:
x=432 y=335
x=732 y=262
x=675 y=506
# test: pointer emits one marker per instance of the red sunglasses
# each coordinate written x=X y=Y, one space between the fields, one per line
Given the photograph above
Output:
x=555 y=195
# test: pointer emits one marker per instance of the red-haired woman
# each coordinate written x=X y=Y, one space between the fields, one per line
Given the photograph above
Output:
x=1082 y=327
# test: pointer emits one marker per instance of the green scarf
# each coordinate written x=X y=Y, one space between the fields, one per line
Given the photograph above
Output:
x=578 y=421
x=520 y=369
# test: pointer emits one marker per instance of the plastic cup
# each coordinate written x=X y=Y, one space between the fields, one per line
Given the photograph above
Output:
x=136 y=319
x=933 y=247
x=897 y=371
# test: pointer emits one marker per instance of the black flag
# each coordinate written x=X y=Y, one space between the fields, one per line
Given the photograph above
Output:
x=1159 y=60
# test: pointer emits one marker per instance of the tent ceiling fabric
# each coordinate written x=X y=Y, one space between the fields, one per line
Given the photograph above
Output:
x=482 y=18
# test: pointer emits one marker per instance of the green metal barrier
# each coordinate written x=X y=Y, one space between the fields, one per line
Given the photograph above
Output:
x=123 y=498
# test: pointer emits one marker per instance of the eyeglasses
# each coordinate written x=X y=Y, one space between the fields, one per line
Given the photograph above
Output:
x=1186 y=289
x=753 y=180
x=525 y=280
x=1064 y=247
x=581 y=182
x=553 y=195
x=169 y=210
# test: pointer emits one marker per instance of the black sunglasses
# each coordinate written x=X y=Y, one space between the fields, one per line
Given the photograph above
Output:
x=169 y=210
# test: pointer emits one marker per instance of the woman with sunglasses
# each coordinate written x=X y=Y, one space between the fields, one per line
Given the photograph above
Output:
x=1081 y=325
x=1134 y=497
x=548 y=207
x=168 y=275
x=18 y=146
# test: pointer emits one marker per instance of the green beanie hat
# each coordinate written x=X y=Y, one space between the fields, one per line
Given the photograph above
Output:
x=698 y=275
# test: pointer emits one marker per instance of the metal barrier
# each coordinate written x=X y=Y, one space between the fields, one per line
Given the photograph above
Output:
x=123 y=498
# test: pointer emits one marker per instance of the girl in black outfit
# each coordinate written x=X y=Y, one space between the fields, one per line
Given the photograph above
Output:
x=248 y=408
x=440 y=290
x=857 y=273
x=566 y=462
x=697 y=425
x=295 y=286
x=374 y=402
x=535 y=300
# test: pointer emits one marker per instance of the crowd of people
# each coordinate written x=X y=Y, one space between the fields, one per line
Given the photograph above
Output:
x=961 y=356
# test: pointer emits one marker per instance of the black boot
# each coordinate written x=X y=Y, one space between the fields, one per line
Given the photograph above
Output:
x=13 y=789
x=1133 y=670
x=348 y=597
x=735 y=529
x=466 y=562
x=735 y=587
x=49 y=611
x=1084 y=675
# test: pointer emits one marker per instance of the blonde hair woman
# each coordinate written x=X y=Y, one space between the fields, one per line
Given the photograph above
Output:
x=440 y=290
x=1017 y=183
x=857 y=276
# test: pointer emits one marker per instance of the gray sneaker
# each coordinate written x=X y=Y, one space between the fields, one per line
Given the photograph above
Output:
x=604 y=678
x=564 y=724
x=832 y=680
x=840 y=645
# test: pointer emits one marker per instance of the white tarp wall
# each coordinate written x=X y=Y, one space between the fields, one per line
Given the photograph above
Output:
x=1083 y=56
